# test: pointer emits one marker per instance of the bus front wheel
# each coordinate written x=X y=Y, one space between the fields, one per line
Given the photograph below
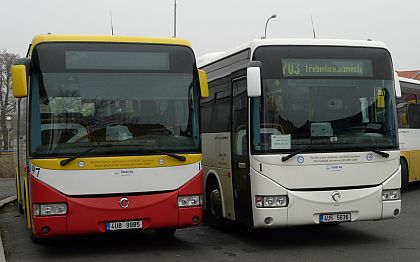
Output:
x=214 y=205
x=19 y=196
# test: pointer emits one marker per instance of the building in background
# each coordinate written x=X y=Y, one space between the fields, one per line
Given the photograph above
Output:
x=413 y=74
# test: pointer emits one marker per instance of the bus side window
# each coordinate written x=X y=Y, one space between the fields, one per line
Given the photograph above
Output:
x=414 y=115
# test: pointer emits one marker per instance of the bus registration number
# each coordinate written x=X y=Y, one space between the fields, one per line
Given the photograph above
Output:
x=124 y=225
x=336 y=217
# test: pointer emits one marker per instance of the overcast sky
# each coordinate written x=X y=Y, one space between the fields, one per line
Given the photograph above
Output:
x=219 y=25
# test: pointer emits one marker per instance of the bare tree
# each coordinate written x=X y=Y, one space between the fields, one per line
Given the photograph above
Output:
x=7 y=102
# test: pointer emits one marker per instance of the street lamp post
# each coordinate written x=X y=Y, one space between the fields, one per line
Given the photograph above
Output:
x=174 y=19
x=266 y=23
x=9 y=130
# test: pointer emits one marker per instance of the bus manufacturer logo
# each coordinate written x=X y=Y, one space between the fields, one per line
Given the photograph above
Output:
x=336 y=196
x=124 y=203
x=369 y=157
x=162 y=161
x=81 y=164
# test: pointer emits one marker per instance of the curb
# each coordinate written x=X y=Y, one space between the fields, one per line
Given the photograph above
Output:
x=2 y=203
x=2 y=255
x=7 y=200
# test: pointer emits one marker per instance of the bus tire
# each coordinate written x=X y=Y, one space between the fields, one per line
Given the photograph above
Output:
x=36 y=240
x=19 y=197
x=404 y=175
x=214 y=205
x=24 y=204
x=20 y=208
x=165 y=232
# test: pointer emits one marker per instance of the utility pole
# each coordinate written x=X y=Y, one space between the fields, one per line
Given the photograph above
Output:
x=313 y=27
x=112 y=26
x=174 y=19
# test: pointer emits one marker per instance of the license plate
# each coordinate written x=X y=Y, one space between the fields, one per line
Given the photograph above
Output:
x=335 y=217
x=124 y=225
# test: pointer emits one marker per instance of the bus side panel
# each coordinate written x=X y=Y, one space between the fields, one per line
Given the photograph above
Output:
x=410 y=150
x=22 y=159
x=217 y=157
x=16 y=154
x=414 y=166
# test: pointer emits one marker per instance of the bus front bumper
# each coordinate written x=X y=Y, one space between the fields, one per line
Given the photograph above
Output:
x=89 y=215
x=312 y=207
x=307 y=207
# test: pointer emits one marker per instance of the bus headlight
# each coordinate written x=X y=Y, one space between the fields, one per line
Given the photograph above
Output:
x=56 y=209
x=189 y=201
x=271 y=201
x=391 y=194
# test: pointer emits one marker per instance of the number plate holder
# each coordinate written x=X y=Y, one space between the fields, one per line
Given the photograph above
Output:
x=123 y=225
x=334 y=217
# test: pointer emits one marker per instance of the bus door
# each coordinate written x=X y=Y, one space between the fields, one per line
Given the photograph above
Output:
x=240 y=157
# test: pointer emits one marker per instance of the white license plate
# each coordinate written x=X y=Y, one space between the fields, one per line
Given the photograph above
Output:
x=124 y=225
x=335 y=217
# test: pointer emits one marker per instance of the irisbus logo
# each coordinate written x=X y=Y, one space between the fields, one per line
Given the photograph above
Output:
x=124 y=203
x=336 y=196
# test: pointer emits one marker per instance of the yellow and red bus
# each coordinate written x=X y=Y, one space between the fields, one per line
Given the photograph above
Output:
x=108 y=135
x=408 y=107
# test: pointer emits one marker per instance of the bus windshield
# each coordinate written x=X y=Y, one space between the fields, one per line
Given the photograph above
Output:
x=88 y=94
x=334 y=98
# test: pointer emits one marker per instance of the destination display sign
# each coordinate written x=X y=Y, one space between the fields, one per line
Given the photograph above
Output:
x=326 y=67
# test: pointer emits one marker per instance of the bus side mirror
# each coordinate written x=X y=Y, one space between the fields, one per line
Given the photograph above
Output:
x=204 y=86
x=397 y=85
x=253 y=82
x=20 y=77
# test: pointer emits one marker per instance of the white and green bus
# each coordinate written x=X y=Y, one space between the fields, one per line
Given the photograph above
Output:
x=301 y=132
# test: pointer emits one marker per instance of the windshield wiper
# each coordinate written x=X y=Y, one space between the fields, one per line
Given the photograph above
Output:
x=66 y=161
x=285 y=158
x=177 y=157
x=379 y=152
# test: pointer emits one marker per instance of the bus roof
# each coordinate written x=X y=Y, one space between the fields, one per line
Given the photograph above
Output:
x=254 y=44
x=409 y=80
x=108 y=39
